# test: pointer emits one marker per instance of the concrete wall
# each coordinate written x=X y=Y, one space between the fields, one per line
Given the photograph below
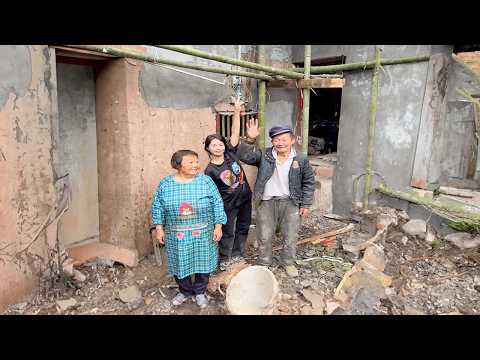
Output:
x=78 y=151
x=28 y=123
x=398 y=116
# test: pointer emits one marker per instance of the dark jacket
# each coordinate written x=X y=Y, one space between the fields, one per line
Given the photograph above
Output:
x=301 y=178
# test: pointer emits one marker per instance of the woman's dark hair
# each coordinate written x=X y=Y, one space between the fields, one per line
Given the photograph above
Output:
x=212 y=137
x=177 y=157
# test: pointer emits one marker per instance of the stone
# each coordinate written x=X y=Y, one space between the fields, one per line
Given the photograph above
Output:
x=331 y=306
x=375 y=256
x=463 y=240
x=64 y=305
x=130 y=294
x=148 y=300
x=78 y=276
x=423 y=193
x=358 y=278
x=286 y=296
x=382 y=278
x=315 y=299
x=390 y=291
x=353 y=241
x=404 y=240
x=415 y=227
x=291 y=271
x=20 y=306
x=430 y=236
x=364 y=302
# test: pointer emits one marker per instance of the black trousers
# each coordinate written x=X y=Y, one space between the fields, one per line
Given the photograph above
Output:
x=188 y=288
x=235 y=231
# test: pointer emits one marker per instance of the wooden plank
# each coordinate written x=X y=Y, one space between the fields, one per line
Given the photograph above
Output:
x=427 y=162
x=80 y=53
x=308 y=83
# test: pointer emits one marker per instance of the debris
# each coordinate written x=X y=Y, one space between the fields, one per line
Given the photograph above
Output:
x=223 y=278
x=315 y=299
x=307 y=310
x=385 y=220
x=331 y=306
x=148 y=300
x=105 y=261
x=317 y=238
x=403 y=215
x=130 y=294
x=410 y=310
x=404 y=240
x=305 y=283
x=415 y=227
x=64 y=305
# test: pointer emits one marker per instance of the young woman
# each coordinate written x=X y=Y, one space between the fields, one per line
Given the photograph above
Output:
x=188 y=213
x=227 y=173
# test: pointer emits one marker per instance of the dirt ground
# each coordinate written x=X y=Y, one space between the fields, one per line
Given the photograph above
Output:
x=426 y=280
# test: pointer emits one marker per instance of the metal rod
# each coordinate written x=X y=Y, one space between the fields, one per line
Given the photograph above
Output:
x=306 y=100
x=371 y=128
x=262 y=91
x=362 y=65
x=232 y=61
x=131 y=54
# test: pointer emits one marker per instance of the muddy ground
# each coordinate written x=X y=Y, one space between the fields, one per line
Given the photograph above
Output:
x=426 y=280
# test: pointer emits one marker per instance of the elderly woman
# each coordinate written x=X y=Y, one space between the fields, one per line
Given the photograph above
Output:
x=188 y=213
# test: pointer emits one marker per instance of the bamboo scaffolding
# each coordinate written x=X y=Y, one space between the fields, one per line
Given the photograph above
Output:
x=225 y=59
x=362 y=65
x=306 y=100
x=371 y=128
x=132 y=54
x=460 y=216
x=262 y=91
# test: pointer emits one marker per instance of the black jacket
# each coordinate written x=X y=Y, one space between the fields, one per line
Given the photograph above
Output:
x=301 y=177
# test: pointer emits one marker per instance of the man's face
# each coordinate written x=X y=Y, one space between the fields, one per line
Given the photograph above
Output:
x=283 y=143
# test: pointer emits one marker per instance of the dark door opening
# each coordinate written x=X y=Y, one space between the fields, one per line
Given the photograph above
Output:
x=325 y=107
x=324 y=114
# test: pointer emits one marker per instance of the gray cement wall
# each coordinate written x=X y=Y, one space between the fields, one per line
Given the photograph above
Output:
x=165 y=88
x=398 y=116
x=78 y=151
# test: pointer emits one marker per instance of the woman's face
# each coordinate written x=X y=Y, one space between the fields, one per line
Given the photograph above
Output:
x=189 y=166
x=216 y=147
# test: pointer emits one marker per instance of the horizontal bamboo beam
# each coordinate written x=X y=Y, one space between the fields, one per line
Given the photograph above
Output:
x=308 y=83
x=228 y=60
x=463 y=212
x=132 y=54
x=362 y=65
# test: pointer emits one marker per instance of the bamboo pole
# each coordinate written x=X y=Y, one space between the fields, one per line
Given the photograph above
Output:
x=371 y=128
x=455 y=213
x=262 y=90
x=362 y=65
x=232 y=61
x=306 y=100
x=132 y=54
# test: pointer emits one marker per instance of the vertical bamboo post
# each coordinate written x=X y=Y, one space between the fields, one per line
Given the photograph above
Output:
x=371 y=128
x=262 y=89
x=306 y=100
